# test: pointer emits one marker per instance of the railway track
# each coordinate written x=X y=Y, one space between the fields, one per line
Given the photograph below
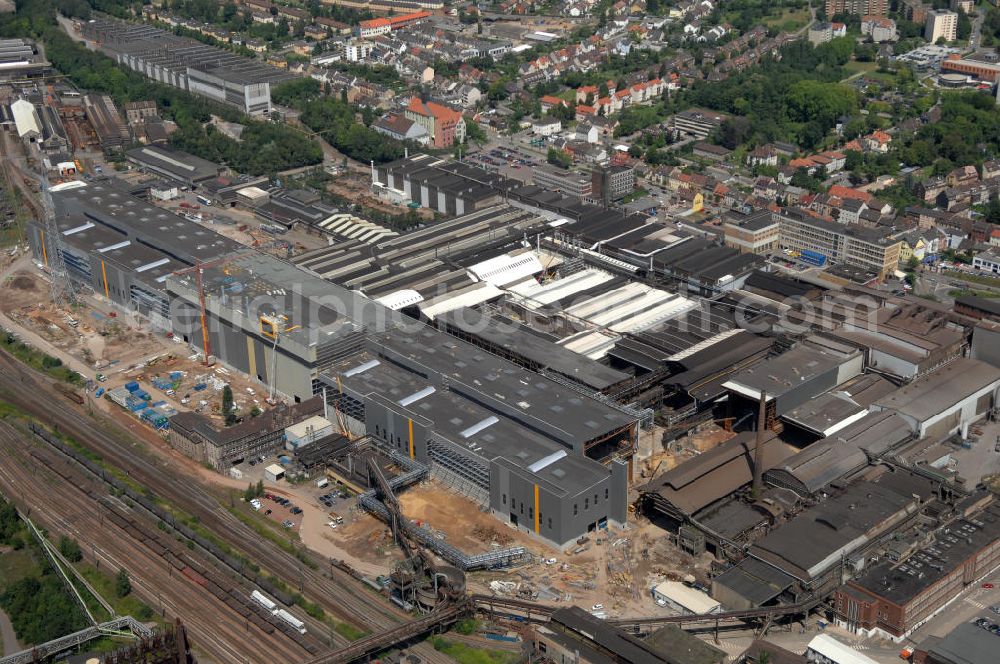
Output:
x=34 y=477
x=334 y=589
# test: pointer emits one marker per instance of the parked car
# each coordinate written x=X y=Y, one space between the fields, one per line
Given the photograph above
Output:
x=287 y=524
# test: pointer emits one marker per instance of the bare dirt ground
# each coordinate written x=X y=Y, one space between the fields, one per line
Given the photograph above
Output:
x=357 y=187
x=111 y=342
x=461 y=523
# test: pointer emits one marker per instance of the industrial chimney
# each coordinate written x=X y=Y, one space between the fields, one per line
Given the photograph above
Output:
x=758 y=453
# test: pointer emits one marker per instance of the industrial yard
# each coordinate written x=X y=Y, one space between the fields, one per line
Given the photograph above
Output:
x=599 y=389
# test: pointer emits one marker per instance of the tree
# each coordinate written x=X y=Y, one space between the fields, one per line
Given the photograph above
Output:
x=70 y=549
x=123 y=586
x=559 y=158
x=734 y=131
x=227 y=406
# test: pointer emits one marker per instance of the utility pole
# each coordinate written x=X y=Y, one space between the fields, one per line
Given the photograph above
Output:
x=758 y=453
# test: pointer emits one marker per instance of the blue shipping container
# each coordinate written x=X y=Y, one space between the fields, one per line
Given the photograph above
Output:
x=132 y=386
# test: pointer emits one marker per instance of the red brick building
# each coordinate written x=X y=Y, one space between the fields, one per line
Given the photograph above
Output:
x=921 y=573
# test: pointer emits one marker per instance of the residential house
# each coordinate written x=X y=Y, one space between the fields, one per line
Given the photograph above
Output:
x=401 y=128
x=877 y=141
x=445 y=125
x=763 y=155
x=546 y=127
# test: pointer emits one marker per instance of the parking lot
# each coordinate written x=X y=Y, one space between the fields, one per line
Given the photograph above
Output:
x=279 y=509
x=509 y=162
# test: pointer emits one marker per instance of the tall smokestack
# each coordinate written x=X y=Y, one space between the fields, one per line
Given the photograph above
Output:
x=758 y=453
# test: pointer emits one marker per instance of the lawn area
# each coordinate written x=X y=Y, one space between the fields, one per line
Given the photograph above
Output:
x=568 y=95
x=349 y=631
x=974 y=278
x=104 y=583
x=16 y=565
x=968 y=292
x=855 y=67
x=464 y=654
x=788 y=20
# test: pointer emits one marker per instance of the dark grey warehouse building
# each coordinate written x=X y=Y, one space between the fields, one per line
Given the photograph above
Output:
x=546 y=455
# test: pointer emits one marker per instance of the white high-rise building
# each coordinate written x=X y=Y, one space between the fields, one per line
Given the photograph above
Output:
x=941 y=23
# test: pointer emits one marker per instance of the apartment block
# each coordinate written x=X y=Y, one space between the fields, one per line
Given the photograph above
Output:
x=941 y=23
x=857 y=7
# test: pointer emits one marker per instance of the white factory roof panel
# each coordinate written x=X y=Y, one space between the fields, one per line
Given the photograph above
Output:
x=650 y=317
x=314 y=423
x=25 y=117
x=537 y=295
x=361 y=368
x=65 y=186
x=620 y=299
x=547 y=461
x=695 y=601
x=252 y=192
x=401 y=298
x=468 y=297
x=835 y=651
x=631 y=308
x=507 y=268
x=594 y=344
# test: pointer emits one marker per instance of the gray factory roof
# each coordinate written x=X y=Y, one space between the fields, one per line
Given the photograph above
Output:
x=405 y=257
x=847 y=403
x=316 y=311
x=100 y=214
x=700 y=481
x=835 y=457
x=558 y=412
x=986 y=304
x=778 y=375
x=935 y=393
x=754 y=580
x=681 y=647
x=178 y=53
x=463 y=422
x=625 y=647
x=953 y=546
x=177 y=164
x=755 y=222
x=518 y=339
x=966 y=644
x=812 y=542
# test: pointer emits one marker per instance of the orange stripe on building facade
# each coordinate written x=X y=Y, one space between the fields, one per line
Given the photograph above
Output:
x=538 y=514
x=410 y=426
x=104 y=273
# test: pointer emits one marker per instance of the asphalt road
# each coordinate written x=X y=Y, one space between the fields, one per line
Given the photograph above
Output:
x=7 y=636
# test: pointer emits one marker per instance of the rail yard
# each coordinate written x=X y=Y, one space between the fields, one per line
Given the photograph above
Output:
x=281 y=380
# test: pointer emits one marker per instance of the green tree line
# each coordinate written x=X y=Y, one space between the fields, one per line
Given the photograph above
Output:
x=338 y=121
